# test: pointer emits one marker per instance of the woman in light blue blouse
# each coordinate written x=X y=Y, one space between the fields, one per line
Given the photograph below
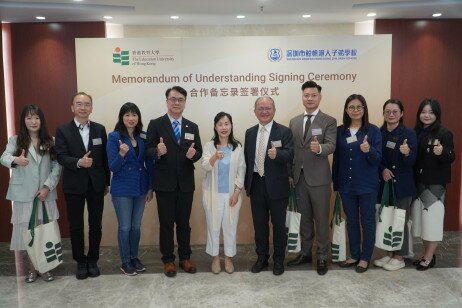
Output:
x=355 y=174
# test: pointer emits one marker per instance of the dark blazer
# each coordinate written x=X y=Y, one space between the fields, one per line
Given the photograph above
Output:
x=174 y=168
x=131 y=174
x=70 y=148
x=276 y=173
x=400 y=165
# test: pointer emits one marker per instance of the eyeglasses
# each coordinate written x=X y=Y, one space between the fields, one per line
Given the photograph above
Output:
x=83 y=105
x=261 y=109
x=353 y=108
x=394 y=112
x=176 y=99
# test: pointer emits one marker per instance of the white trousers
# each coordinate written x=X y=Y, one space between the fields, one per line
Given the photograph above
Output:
x=226 y=218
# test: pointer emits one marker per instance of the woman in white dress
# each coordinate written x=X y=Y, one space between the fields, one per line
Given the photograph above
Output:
x=35 y=173
x=224 y=163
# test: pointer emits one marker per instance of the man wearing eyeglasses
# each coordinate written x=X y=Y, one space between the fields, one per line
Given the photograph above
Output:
x=81 y=150
x=314 y=140
x=268 y=148
x=175 y=145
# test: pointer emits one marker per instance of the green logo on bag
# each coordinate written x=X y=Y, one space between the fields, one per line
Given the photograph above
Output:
x=392 y=239
x=53 y=253
x=292 y=240
x=335 y=252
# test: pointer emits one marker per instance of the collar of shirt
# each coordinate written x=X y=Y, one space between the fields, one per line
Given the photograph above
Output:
x=172 y=119
x=77 y=123
x=314 y=113
x=267 y=126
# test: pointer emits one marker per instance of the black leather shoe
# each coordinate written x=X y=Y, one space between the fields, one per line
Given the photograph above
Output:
x=429 y=264
x=417 y=262
x=300 y=259
x=260 y=265
x=346 y=264
x=321 y=267
x=360 y=269
x=93 y=270
x=278 y=268
x=82 y=272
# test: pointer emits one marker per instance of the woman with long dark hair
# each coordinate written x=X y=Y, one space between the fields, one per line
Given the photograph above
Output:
x=224 y=163
x=131 y=183
x=355 y=174
x=399 y=151
x=35 y=174
x=432 y=172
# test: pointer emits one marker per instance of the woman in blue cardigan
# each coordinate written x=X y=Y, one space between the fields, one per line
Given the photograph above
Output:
x=131 y=183
x=399 y=151
x=355 y=174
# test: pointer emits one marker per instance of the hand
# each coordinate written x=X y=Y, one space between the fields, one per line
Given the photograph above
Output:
x=161 y=148
x=234 y=198
x=387 y=174
x=123 y=149
x=219 y=154
x=291 y=182
x=42 y=193
x=404 y=148
x=438 y=149
x=365 y=147
x=272 y=152
x=86 y=161
x=314 y=145
x=191 y=151
x=149 y=196
x=22 y=160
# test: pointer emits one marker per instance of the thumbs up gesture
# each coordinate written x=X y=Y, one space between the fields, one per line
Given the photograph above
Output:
x=123 y=149
x=191 y=151
x=314 y=145
x=438 y=148
x=365 y=146
x=404 y=148
x=22 y=160
x=219 y=154
x=86 y=161
x=161 y=148
x=272 y=152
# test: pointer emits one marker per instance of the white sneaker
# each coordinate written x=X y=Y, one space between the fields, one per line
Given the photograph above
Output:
x=394 y=264
x=382 y=261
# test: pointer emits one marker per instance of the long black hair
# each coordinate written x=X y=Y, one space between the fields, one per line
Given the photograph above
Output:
x=365 y=118
x=120 y=126
x=46 y=142
x=396 y=102
x=435 y=126
x=216 y=139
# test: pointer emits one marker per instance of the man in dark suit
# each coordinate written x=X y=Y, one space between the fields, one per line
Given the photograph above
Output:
x=315 y=135
x=268 y=149
x=175 y=145
x=81 y=150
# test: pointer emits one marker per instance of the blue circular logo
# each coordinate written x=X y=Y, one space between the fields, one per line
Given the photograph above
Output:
x=275 y=54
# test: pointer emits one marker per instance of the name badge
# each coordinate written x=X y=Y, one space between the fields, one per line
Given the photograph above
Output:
x=277 y=144
x=143 y=136
x=97 y=141
x=391 y=144
x=316 y=131
x=351 y=139
x=189 y=136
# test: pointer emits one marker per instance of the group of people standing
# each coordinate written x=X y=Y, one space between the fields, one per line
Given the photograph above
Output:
x=272 y=159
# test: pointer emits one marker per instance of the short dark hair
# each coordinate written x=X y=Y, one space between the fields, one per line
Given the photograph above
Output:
x=120 y=126
x=395 y=102
x=178 y=89
x=436 y=108
x=365 y=118
x=311 y=84
x=82 y=93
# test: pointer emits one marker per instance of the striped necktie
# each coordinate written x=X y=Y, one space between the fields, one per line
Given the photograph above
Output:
x=176 y=130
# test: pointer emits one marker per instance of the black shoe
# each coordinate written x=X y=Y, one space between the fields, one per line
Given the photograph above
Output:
x=321 y=267
x=429 y=264
x=260 y=265
x=346 y=264
x=300 y=259
x=360 y=269
x=417 y=262
x=93 y=270
x=278 y=268
x=82 y=272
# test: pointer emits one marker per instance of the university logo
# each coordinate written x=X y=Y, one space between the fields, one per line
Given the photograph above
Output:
x=335 y=252
x=53 y=252
x=275 y=54
x=120 y=56
x=391 y=238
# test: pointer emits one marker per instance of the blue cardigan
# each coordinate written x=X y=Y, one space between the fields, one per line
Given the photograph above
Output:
x=355 y=172
x=400 y=165
x=132 y=175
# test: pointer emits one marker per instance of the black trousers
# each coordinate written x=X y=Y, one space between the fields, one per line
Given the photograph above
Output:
x=75 y=210
x=174 y=208
x=263 y=208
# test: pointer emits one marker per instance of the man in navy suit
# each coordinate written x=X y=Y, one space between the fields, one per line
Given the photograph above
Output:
x=175 y=145
x=268 y=149
x=81 y=150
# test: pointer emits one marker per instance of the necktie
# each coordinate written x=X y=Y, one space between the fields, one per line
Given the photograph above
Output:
x=307 y=124
x=261 y=153
x=176 y=130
